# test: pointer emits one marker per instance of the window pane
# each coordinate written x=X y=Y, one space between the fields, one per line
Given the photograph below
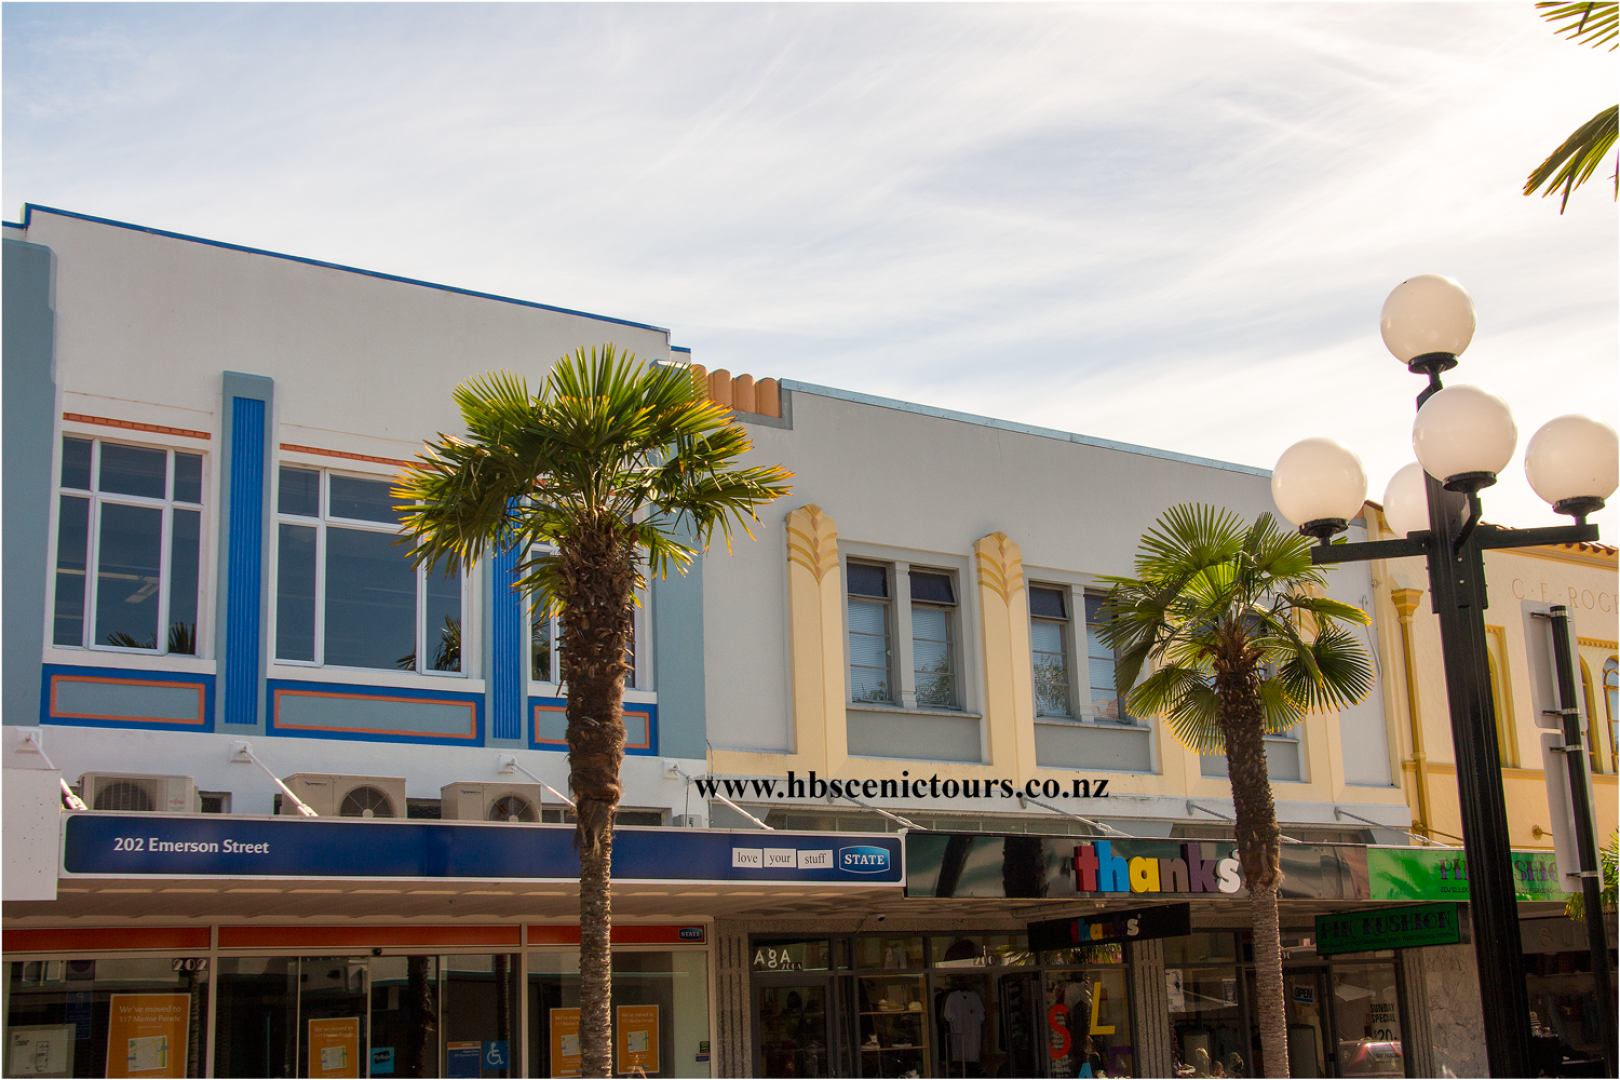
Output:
x=931 y=651
x=443 y=622
x=76 y=464
x=868 y=651
x=867 y=580
x=1047 y=603
x=300 y=492
x=363 y=500
x=187 y=477
x=1051 y=668
x=295 y=592
x=184 y=549
x=129 y=571
x=933 y=588
x=133 y=470
x=370 y=601
x=72 y=534
x=540 y=647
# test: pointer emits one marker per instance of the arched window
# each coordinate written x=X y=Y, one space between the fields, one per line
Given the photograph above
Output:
x=1611 y=703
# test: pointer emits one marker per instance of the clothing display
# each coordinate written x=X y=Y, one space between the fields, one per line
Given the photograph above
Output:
x=964 y=1015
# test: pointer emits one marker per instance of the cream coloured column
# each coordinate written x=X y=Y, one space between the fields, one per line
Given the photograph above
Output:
x=1009 y=685
x=816 y=640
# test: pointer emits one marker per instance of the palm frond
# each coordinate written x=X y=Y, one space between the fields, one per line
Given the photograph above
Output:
x=1587 y=23
x=1574 y=162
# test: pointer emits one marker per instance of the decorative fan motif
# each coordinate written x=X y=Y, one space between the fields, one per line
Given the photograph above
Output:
x=366 y=802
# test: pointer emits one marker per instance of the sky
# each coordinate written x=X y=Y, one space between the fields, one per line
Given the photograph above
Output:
x=1165 y=224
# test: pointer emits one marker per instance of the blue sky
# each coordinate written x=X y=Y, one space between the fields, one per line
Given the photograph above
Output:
x=1160 y=223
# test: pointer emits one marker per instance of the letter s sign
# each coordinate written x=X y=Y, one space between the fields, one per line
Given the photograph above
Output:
x=1058 y=1045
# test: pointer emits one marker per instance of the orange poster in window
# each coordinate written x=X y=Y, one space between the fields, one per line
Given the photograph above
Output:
x=147 y=1034
x=637 y=1041
x=565 y=1057
x=334 y=1046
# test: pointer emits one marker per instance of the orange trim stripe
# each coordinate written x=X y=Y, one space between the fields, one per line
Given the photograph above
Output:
x=646 y=727
x=202 y=699
x=362 y=937
x=622 y=935
x=344 y=454
x=471 y=707
x=94 y=940
x=130 y=425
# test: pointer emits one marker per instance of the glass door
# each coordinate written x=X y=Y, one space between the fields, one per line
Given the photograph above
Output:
x=332 y=992
x=795 y=1025
x=1367 y=1022
x=1305 y=1011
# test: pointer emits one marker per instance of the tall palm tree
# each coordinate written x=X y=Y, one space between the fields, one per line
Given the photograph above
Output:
x=1595 y=23
x=599 y=473
x=1242 y=644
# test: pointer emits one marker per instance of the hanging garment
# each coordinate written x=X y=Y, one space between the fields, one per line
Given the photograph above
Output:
x=964 y=1011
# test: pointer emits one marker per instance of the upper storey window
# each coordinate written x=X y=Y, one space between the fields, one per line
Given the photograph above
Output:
x=346 y=594
x=1049 y=640
x=870 y=656
x=128 y=545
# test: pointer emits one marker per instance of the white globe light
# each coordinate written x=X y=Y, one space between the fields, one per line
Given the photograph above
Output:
x=1573 y=457
x=1406 y=501
x=1427 y=314
x=1318 y=480
x=1463 y=429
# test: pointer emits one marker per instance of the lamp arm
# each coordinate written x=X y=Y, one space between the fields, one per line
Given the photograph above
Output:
x=1416 y=544
x=1491 y=537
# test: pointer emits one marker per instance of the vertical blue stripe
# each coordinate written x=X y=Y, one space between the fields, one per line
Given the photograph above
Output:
x=245 y=562
x=507 y=667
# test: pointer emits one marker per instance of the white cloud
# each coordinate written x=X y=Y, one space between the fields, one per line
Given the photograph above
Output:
x=1170 y=224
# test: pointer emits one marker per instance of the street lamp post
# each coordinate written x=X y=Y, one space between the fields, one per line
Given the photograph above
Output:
x=1464 y=437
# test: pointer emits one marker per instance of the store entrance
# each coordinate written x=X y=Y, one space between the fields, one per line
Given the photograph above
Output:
x=1342 y=1021
x=796 y=1022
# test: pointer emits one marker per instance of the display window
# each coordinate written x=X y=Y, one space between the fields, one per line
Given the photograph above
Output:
x=660 y=1015
x=134 y=1016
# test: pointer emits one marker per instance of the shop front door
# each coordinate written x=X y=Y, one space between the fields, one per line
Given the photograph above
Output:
x=1306 y=1012
x=795 y=1023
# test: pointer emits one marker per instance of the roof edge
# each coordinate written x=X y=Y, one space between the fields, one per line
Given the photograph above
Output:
x=1022 y=429
x=28 y=214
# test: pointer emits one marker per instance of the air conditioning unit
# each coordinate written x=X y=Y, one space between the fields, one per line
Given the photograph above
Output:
x=345 y=796
x=149 y=794
x=480 y=801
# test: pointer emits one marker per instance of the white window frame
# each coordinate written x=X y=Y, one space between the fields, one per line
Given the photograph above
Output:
x=902 y=659
x=167 y=504
x=641 y=690
x=953 y=638
x=320 y=523
x=1069 y=637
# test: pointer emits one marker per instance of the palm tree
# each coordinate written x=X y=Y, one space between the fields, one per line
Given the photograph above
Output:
x=1594 y=23
x=1242 y=644
x=593 y=477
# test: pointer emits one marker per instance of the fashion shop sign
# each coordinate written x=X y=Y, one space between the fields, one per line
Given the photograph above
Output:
x=977 y=865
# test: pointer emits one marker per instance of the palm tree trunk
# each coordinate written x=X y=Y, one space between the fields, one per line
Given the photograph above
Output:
x=1242 y=720
x=598 y=574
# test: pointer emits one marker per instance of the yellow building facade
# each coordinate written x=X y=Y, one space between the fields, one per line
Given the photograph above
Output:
x=1583 y=578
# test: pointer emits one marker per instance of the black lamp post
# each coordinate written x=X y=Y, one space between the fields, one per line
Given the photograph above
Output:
x=1464 y=437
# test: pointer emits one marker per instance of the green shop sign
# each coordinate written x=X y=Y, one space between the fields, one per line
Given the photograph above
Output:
x=1395 y=873
x=1388 y=928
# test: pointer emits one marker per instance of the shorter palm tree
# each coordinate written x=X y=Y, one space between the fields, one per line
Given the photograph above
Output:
x=1242 y=644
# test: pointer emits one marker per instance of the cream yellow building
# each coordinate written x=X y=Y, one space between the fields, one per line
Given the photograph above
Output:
x=1580 y=576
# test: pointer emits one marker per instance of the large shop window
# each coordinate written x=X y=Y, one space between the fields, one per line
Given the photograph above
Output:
x=402 y=1016
x=128 y=547
x=346 y=594
x=660 y=1013
x=961 y=1004
x=126 y=1017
